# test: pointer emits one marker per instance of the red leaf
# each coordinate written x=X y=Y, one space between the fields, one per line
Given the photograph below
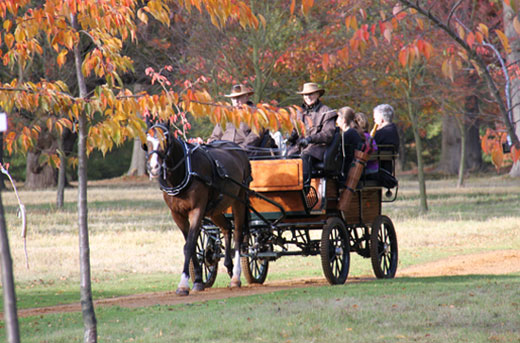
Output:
x=515 y=154
x=470 y=39
x=325 y=62
x=403 y=56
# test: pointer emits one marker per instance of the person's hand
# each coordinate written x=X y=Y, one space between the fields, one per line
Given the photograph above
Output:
x=293 y=137
x=304 y=142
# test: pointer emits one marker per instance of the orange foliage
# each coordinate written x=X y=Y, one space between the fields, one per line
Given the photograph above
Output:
x=491 y=144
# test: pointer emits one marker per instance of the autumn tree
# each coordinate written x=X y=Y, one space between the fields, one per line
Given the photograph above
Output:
x=92 y=34
x=473 y=44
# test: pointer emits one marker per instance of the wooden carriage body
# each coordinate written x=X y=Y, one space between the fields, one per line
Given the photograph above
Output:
x=281 y=180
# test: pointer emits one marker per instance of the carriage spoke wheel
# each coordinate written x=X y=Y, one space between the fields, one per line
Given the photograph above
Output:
x=207 y=253
x=383 y=248
x=335 y=251
x=254 y=268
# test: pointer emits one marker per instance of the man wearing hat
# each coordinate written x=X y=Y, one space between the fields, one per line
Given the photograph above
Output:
x=242 y=136
x=320 y=125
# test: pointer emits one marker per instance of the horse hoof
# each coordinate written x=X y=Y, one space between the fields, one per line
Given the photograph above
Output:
x=198 y=287
x=181 y=291
x=235 y=283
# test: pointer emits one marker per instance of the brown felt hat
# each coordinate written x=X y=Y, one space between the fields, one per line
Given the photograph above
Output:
x=239 y=90
x=311 y=87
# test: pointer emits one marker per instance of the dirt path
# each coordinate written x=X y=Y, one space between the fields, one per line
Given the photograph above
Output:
x=498 y=262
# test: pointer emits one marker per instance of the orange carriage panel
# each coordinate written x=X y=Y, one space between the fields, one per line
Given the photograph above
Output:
x=277 y=175
x=291 y=201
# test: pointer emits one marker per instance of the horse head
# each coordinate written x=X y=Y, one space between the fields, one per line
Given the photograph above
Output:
x=157 y=147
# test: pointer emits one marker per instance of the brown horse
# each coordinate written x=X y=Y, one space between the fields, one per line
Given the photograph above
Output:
x=201 y=181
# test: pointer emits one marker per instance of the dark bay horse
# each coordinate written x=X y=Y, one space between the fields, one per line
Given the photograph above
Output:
x=201 y=181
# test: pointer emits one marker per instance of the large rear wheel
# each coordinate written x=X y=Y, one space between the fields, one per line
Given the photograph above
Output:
x=335 y=251
x=383 y=248
x=207 y=253
x=255 y=269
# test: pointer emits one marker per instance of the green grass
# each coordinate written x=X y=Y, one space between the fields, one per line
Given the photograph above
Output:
x=135 y=248
x=439 y=309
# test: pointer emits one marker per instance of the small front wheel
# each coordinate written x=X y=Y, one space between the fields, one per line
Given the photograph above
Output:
x=207 y=253
x=255 y=269
x=383 y=248
x=335 y=251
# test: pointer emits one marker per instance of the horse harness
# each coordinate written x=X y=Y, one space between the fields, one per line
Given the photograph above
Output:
x=218 y=175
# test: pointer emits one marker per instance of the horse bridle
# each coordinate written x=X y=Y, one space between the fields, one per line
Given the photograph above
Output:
x=163 y=155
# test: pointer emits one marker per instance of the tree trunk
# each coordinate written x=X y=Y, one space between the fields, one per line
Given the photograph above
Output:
x=40 y=174
x=138 y=163
x=420 y=163
x=10 y=314
x=2 y=177
x=452 y=137
x=512 y=61
x=61 y=175
x=87 y=305
x=450 y=149
x=65 y=148
x=462 y=164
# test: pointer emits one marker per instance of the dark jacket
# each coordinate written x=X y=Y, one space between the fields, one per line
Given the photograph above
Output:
x=320 y=125
x=351 y=141
x=387 y=135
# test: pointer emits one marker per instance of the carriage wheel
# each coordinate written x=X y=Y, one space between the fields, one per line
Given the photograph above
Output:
x=207 y=253
x=254 y=268
x=335 y=251
x=383 y=248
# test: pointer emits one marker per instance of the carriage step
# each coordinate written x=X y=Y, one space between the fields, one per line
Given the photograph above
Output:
x=311 y=198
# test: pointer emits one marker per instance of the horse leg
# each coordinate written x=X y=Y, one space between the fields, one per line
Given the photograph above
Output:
x=183 y=289
x=239 y=214
x=224 y=224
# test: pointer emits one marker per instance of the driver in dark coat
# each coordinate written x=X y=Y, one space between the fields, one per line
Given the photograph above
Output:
x=320 y=125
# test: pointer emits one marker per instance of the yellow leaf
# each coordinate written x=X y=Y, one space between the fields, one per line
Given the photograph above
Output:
x=7 y=25
x=354 y=23
x=62 y=57
x=460 y=31
x=484 y=29
x=497 y=157
x=142 y=16
x=504 y=41
x=9 y=40
x=262 y=19
x=420 y=23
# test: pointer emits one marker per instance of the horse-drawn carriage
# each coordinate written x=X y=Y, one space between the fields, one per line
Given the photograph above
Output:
x=285 y=220
x=209 y=193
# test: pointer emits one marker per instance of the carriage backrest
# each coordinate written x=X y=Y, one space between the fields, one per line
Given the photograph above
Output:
x=332 y=158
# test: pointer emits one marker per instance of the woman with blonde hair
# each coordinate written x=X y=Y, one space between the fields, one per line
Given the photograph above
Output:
x=361 y=120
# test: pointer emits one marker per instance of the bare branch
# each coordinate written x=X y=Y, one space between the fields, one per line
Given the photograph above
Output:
x=453 y=9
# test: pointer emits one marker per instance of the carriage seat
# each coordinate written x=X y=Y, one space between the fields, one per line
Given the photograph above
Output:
x=385 y=175
x=332 y=159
